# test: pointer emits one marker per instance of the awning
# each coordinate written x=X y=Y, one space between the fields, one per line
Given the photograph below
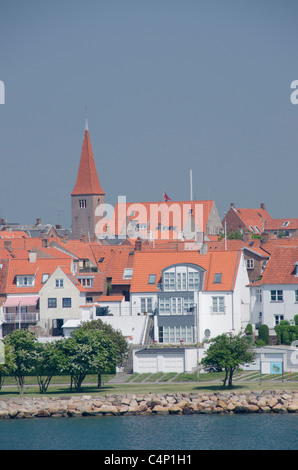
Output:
x=25 y=301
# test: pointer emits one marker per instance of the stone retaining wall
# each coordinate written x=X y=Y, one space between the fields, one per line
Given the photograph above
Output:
x=150 y=404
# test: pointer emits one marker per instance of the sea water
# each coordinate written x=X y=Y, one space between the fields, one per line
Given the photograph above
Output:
x=182 y=432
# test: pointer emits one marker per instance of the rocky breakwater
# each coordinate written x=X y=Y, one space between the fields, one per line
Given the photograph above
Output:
x=150 y=404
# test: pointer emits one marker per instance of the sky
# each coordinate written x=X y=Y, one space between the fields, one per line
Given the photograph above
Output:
x=169 y=86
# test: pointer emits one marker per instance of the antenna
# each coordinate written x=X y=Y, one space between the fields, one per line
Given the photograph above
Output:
x=86 y=122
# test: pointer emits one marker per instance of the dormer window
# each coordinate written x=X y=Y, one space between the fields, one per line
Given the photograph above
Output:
x=217 y=278
x=285 y=224
x=127 y=273
x=86 y=281
x=25 y=281
x=296 y=269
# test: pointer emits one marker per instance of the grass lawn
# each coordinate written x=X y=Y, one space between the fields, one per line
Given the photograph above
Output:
x=154 y=383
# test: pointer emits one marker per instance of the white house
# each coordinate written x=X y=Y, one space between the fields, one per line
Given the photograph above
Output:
x=60 y=300
x=192 y=296
x=275 y=296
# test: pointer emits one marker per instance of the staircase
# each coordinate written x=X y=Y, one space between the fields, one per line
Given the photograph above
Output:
x=149 y=335
x=148 y=340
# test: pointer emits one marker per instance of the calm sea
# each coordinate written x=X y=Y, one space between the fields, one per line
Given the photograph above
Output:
x=183 y=432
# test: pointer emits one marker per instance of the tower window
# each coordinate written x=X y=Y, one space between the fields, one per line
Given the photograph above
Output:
x=82 y=203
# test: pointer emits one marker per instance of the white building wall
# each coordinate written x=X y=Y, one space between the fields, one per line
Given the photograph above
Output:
x=49 y=290
x=287 y=308
x=135 y=301
x=241 y=298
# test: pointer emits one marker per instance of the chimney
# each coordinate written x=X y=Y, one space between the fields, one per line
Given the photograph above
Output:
x=138 y=244
x=45 y=243
x=38 y=221
x=232 y=205
x=262 y=206
x=247 y=236
x=203 y=249
x=7 y=245
x=32 y=256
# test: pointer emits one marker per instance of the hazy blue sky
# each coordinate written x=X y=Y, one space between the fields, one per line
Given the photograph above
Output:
x=169 y=86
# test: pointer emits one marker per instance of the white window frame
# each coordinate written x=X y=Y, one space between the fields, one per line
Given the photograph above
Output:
x=278 y=294
x=25 y=281
x=59 y=284
x=250 y=263
x=218 y=305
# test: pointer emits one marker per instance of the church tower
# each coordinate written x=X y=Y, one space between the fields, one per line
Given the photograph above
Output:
x=87 y=193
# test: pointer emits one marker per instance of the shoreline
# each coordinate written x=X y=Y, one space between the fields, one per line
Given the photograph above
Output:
x=222 y=402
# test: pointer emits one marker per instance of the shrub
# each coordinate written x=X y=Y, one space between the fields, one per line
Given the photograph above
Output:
x=264 y=333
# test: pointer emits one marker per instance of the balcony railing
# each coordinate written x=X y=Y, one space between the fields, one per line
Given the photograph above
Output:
x=21 y=317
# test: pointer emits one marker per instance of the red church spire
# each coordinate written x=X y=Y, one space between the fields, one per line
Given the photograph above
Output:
x=87 y=178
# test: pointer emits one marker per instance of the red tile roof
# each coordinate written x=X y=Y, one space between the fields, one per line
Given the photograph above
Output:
x=87 y=179
x=251 y=218
x=281 y=224
x=280 y=268
x=148 y=263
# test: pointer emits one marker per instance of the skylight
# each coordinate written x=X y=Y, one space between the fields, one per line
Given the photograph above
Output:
x=217 y=278
x=127 y=273
x=152 y=278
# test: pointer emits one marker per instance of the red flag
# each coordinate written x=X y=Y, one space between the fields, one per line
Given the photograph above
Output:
x=166 y=197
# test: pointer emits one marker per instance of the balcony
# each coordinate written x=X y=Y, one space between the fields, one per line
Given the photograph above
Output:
x=29 y=317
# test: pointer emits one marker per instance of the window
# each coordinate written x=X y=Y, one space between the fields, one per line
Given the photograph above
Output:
x=152 y=279
x=52 y=303
x=175 y=334
x=86 y=281
x=59 y=283
x=276 y=296
x=217 y=278
x=160 y=334
x=45 y=277
x=188 y=305
x=127 y=273
x=176 y=305
x=250 y=263
x=146 y=304
x=259 y=295
x=218 y=305
x=23 y=309
x=66 y=302
x=278 y=319
x=169 y=281
x=296 y=295
x=193 y=280
x=25 y=281
x=82 y=203
x=164 y=306
x=181 y=281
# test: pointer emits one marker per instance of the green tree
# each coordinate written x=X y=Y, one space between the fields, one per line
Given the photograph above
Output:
x=50 y=361
x=7 y=366
x=24 y=350
x=87 y=351
x=119 y=342
x=229 y=352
